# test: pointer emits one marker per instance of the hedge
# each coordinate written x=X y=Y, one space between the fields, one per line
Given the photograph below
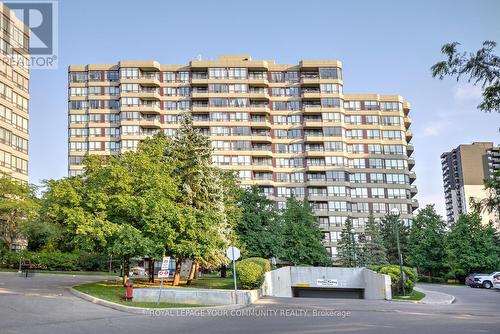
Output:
x=56 y=260
x=394 y=272
x=251 y=272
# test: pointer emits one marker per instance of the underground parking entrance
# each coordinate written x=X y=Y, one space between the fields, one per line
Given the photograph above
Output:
x=341 y=293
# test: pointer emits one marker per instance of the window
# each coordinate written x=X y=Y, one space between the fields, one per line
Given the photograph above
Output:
x=374 y=149
x=78 y=77
x=335 y=161
x=333 y=146
x=378 y=192
x=352 y=105
x=238 y=73
x=333 y=117
x=372 y=134
x=392 y=135
x=377 y=177
x=329 y=73
x=339 y=206
x=331 y=88
x=391 y=120
x=354 y=134
x=371 y=105
x=357 y=163
x=396 y=164
x=330 y=102
x=217 y=73
x=129 y=73
x=391 y=106
x=357 y=177
x=335 y=131
x=359 y=192
x=353 y=119
x=78 y=91
x=292 y=76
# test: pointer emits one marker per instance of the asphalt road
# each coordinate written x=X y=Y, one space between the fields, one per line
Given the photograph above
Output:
x=43 y=304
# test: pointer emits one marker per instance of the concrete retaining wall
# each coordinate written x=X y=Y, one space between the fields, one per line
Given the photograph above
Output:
x=195 y=296
x=279 y=282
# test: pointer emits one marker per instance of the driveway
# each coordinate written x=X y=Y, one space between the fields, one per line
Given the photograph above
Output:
x=43 y=304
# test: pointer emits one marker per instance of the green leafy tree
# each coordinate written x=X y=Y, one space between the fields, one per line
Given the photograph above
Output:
x=208 y=195
x=471 y=247
x=18 y=205
x=349 y=253
x=389 y=236
x=302 y=236
x=426 y=244
x=482 y=67
x=374 y=252
x=259 y=227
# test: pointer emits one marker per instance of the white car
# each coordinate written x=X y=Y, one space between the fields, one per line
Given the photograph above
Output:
x=485 y=280
x=496 y=281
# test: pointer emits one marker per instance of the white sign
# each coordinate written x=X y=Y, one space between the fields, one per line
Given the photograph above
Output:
x=327 y=282
x=165 y=263
x=163 y=274
x=233 y=253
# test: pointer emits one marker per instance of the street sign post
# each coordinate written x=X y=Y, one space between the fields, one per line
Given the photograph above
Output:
x=163 y=273
x=234 y=254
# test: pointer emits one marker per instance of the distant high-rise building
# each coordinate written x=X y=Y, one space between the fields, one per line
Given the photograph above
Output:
x=14 y=78
x=464 y=170
x=289 y=129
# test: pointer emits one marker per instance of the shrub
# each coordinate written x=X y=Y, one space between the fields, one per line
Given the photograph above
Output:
x=264 y=263
x=251 y=272
x=394 y=272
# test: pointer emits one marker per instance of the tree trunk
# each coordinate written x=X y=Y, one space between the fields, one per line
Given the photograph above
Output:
x=197 y=271
x=151 y=270
x=191 y=273
x=177 y=274
x=126 y=269
x=223 y=271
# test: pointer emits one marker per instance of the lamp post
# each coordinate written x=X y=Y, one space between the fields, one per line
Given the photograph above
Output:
x=395 y=213
x=353 y=247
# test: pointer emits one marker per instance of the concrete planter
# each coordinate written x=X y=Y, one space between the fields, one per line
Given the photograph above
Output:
x=195 y=296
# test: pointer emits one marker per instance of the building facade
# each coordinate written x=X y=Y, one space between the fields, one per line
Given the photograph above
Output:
x=289 y=129
x=464 y=170
x=14 y=95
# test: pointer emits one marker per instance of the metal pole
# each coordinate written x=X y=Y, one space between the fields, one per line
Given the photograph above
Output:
x=110 y=262
x=353 y=250
x=401 y=273
x=161 y=286
x=234 y=277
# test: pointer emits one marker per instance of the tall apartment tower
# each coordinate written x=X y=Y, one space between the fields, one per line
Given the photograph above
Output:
x=464 y=170
x=14 y=97
x=289 y=129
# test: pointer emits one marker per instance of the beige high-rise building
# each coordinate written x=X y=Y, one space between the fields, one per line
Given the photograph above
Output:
x=464 y=170
x=288 y=128
x=14 y=96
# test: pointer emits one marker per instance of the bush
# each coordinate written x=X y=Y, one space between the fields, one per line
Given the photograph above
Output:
x=394 y=272
x=264 y=263
x=56 y=260
x=251 y=272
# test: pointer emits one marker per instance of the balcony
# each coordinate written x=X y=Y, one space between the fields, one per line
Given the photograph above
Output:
x=150 y=122
x=409 y=135
x=309 y=78
x=411 y=163
x=149 y=79
x=311 y=108
x=310 y=93
x=150 y=93
x=412 y=176
x=409 y=149
x=407 y=121
x=413 y=190
x=414 y=204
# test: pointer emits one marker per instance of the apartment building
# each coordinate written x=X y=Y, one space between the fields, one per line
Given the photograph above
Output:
x=14 y=97
x=289 y=129
x=464 y=170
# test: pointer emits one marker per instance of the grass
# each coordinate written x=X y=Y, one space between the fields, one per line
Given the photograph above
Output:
x=59 y=272
x=414 y=296
x=113 y=291
x=205 y=282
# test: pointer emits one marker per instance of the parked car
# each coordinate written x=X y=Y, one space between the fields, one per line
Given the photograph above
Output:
x=485 y=280
x=469 y=280
x=496 y=281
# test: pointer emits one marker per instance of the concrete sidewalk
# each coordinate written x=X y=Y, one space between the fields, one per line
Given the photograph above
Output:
x=434 y=297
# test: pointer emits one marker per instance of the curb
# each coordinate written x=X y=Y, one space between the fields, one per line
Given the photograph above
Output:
x=447 y=298
x=146 y=310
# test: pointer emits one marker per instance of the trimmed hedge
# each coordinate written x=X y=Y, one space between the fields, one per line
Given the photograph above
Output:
x=56 y=260
x=251 y=272
x=394 y=272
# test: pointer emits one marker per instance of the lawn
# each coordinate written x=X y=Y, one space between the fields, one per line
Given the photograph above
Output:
x=113 y=291
x=414 y=296
x=205 y=282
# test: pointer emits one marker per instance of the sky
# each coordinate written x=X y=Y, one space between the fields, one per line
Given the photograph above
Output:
x=386 y=47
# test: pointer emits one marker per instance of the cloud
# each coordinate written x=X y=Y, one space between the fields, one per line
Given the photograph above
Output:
x=435 y=128
x=467 y=91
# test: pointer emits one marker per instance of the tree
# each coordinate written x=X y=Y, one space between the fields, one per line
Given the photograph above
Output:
x=207 y=195
x=348 y=250
x=259 y=227
x=302 y=236
x=471 y=247
x=426 y=244
x=389 y=237
x=374 y=252
x=18 y=205
x=483 y=68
